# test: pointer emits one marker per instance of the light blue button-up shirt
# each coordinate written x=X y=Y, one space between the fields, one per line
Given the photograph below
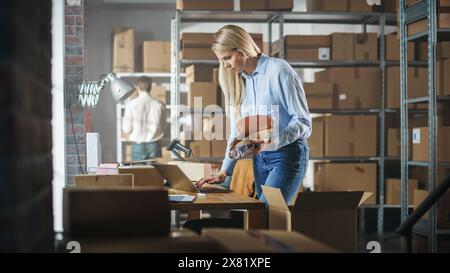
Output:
x=276 y=90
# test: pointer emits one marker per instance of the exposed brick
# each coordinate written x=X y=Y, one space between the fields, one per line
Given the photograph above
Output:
x=74 y=71
x=73 y=10
x=72 y=149
x=73 y=40
x=69 y=30
x=79 y=31
x=69 y=20
x=79 y=20
x=73 y=50
x=74 y=60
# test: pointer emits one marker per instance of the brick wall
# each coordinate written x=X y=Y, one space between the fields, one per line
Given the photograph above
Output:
x=26 y=216
x=74 y=61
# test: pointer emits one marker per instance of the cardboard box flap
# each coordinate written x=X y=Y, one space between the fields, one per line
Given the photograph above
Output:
x=296 y=242
x=364 y=198
x=274 y=198
x=333 y=200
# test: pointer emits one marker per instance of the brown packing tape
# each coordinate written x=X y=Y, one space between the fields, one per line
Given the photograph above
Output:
x=359 y=169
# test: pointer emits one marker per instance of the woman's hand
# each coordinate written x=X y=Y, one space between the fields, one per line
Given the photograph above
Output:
x=215 y=179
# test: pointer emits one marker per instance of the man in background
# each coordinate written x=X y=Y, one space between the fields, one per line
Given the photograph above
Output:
x=144 y=121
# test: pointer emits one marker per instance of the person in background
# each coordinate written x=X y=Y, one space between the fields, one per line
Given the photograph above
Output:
x=144 y=121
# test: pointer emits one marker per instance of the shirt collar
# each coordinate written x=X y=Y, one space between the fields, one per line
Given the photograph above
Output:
x=260 y=67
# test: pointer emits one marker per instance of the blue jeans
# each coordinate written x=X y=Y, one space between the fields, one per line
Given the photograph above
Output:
x=284 y=168
x=143 y=151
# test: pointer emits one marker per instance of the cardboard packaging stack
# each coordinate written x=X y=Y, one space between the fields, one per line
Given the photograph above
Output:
x=393 y=191
x=346 y=177
x=354 y=46
x=339 y=5
x=304 y=47
x=348 y=82
x=344 y=136
x=244 y=5
x=123 y=49
x=197 y=46
x=420 y=143
x=156 y=56
x=442 y=20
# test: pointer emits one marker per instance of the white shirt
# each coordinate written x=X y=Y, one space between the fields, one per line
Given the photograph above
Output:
x=144 y=118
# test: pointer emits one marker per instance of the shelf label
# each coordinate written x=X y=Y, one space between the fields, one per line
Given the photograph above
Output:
x=416 y=136
x=324 y=53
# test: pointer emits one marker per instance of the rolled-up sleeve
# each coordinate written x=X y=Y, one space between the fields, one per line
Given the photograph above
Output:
x=294 y=98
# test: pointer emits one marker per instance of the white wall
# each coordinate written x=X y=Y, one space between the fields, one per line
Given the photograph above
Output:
x=58 y=131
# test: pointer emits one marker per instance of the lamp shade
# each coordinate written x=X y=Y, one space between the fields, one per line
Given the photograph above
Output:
x=121 y=89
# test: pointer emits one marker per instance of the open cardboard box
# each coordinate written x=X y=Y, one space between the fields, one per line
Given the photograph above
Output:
x=329 y=217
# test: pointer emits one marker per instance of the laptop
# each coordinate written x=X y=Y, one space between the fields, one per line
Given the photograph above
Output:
x=179 y=181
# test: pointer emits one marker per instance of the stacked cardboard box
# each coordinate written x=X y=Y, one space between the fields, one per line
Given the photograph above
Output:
x=394 y=141
x=159 y=92
x=393 y=191
x=144 y=176
x=442 y=51
x=198 y=45
x=316 y=141
x=202 y=94
x=350 y=135
x=199 y=73
x=281 y=5
x=104 y=181
x=205 y=5
x=320 y=95
x=354 y=46
x=304 y=47
x=442 y=20
x=349 y=83
x=156 y=56
x=346 y=176
x=420 y=144
x=338 y=5
x=442 y=78
x=393 y=48
x=417 y=84
x=123 y=49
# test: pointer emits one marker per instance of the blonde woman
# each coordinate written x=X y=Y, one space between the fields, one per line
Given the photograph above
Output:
x=249 y=80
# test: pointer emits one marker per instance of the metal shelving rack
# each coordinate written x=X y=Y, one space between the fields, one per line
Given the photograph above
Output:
x=425 y=9
x=270 y=18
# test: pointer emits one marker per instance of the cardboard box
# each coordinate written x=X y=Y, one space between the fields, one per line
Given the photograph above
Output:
x=421 y=174
x=104 y=181
x=218 y=148
x=156 y=56
x=442 y=21
x=316 y=141
x=195 y=45
x=194 y=170
x=346 y=177
x=393 y=191
x=350 y=135
x=239 y=241
x=348 y=82
x=144 y=176
x=442 y=78
x=442 y=51
x=443 y=207
x=390 y=6
x=327 y=5
x=205 y=5
x=342 y=46
x=417 y=84
x=420 y=144
x=165 y=153
x=304 y=47
x=366 y=46
x=159 y=92
x=393 y=142
x=320 y=95
x=280 y=5
x=393 y=48
x=207 y=91
x=103 y=213
x=123 y=49
x=199 y=73
x=361 y=6
x=315 y=212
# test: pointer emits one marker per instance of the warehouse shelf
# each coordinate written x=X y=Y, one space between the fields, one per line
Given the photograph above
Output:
x=346 y=159
x=427 y=99
x=146 y=74
x=427 y=164
x=279 y=20
x=422 y=10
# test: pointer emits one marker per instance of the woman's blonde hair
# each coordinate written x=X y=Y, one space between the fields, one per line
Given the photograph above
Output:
x=233 y=38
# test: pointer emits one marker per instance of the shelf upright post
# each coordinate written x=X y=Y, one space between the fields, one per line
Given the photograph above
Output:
x=382 y=128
